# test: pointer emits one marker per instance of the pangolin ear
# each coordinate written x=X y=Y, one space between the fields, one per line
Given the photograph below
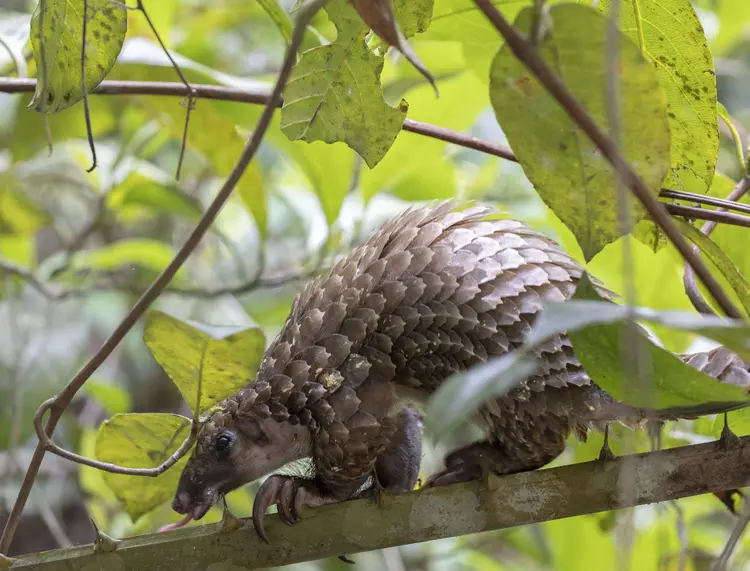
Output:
x=252 y=429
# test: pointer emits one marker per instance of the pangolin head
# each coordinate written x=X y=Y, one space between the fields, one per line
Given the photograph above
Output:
x=238 y=444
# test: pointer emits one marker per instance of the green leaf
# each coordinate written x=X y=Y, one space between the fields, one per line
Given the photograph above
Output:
x=57 y=49
x=598 y=341
x=570 y=174
x=413 y=16
x=206 y=127
x=112 y=398
x=459 y=396
x=671 y=37
x=729 y=270
x=334 y=93
x=139 y=193
x=142 y=440
x=206 y=363
x=279 y=17
x=328 y=169
x=18 y=214
x=143 y=252
x=736 y=137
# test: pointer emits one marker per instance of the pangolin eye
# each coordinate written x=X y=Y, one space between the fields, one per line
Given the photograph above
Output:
x=223 y=443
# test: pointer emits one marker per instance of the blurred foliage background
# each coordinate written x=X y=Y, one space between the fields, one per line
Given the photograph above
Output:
x=103 y=237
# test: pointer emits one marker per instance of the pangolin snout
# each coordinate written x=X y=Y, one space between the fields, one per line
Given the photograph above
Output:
x=181 y=502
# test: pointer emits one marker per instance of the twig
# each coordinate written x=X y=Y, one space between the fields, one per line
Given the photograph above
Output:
x=688 y=277
x=191 y=93
x=59 y=403
x=528 y=55
x=714 y=216
x=257 y=96
x=18 y=63
x=84 y=85
x=707 y=200
x=739 y=528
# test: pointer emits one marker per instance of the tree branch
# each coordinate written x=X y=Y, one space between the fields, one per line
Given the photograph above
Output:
x=357 y=526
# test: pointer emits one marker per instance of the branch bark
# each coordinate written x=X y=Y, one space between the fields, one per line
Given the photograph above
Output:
x=356 y=526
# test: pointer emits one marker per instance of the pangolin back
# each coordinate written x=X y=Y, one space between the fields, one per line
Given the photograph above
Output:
x=431 y=293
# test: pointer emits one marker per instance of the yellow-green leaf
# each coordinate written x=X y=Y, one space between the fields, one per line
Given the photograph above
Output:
x=139 y=193
x=206 y=127
x=206 y=363
x=18 y=214
x=568 y=171
x=143 y=252
x=57 y=38
x=142 y=440
x=334 y=93
x=671 y=37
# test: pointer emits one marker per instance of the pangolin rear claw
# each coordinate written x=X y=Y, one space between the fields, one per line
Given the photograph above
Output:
x=283 y=491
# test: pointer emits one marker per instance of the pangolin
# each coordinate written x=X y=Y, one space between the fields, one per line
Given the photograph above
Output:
x=436 y=290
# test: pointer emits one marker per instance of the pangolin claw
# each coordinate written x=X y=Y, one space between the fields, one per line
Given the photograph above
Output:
x=285 y=492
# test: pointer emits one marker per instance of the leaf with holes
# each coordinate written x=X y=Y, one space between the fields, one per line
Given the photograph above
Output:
x=142 y=440
x=334 y=93
x=57 y=38
x=207 y=363
x=567 y=169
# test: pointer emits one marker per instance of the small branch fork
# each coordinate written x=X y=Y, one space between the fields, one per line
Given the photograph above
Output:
x=58 y=405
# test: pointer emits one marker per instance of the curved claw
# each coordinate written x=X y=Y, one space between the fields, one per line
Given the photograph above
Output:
x=283 y=491
x=264 y=499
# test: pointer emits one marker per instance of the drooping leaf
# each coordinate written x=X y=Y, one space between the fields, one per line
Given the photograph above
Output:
x=142 y=440
x=206 y=363
x=568 y=171
x=671 y=37
x=729 y=270
x=334 y=93
x=380 y=17
x=57 y=37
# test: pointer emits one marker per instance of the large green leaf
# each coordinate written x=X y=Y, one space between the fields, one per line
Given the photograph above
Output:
x=566 y=168
x=142 y=440
x=334 y=93
x=57 y=38
x=671 y=37
x=206 y=363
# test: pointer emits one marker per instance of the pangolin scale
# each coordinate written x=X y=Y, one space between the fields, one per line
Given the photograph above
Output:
x=433 y=292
